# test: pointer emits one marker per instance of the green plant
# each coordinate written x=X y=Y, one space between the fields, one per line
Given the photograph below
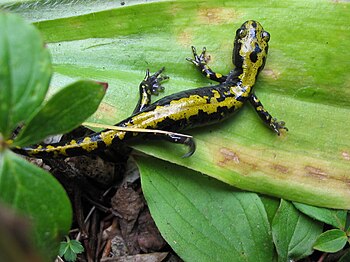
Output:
x=69 y=249
x=205 y=220
x=25 y=72
x=305 y=83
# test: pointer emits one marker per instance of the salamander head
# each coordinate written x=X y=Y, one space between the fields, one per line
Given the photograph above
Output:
x=250 y=47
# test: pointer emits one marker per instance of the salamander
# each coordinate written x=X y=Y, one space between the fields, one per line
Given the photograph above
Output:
x=186 y=109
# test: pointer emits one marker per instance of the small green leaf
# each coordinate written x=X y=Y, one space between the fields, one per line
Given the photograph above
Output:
x=336 y=218
x=70 y=249
x=36 y=194
x=70 y=255
x=64 y=246
x=293 y=233
x=76 y=246
x=66 y=110
x=25 y=71
x=203 y=219
x=331 y=241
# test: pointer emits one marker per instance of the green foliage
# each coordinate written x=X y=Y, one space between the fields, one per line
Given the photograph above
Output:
x=336 y=218
x=305 y=83
x=25 y=71
x=36 y=194
x=331 y=241
x=298 y=85
x=203 y=219
x=70 y=249
x=293 y=233
x=63 y=112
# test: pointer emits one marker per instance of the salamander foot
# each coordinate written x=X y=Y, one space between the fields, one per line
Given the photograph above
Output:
x=153 y=82
x=198 y=60
x=277 y=126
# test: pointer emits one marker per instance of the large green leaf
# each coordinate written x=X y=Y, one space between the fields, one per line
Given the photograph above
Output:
x=23 y=187
x=336 y=218
x=293 y=233
x=23 y=82
x=305 y=83
x=65 y=110
x=331 y=241
x=203 y=219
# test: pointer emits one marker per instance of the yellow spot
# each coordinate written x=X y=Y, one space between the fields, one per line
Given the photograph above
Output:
x=56 y=150
x=216 y=94
x=107 y=137
x=218 y=75
x=36 y=150
x=121 y=135
x=88 y=145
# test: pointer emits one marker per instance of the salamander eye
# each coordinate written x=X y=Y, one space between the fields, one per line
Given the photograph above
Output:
x=265 y=36
x=241 y=33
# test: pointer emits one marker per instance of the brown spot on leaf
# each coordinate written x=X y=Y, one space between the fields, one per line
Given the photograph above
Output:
x=271 y=73
x=280 y=168
x=338 y=1
x=229 y=156
x=317 y=172
x=106 y=112
x=185 y=37
x=217 y=15
x=346 y=155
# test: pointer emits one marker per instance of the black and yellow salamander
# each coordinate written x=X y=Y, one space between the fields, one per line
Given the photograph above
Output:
x=186 y=109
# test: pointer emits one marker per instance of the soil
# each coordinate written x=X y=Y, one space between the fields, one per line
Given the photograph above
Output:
x=111 y=217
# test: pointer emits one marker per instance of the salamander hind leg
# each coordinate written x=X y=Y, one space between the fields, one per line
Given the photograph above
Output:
x=150 y=85
x=272 y=122
x=177 y=139
x=200 y=61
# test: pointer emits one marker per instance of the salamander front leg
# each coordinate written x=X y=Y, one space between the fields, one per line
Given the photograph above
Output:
x=200 y=61
x=265 y=116
x=150 y=85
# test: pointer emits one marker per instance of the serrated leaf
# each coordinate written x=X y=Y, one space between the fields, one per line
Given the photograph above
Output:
x=64 y=111
x=298 y=85
x=76 y=246
x=293 y=233
x=70 y=255
x=34 y=193
x=331 y=241
x=203 y=219
x=64 y=246
x=336 y=218
x=25 y=71
x=70 y=249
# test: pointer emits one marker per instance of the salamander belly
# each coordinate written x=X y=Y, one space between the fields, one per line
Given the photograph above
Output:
x=188 y=109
